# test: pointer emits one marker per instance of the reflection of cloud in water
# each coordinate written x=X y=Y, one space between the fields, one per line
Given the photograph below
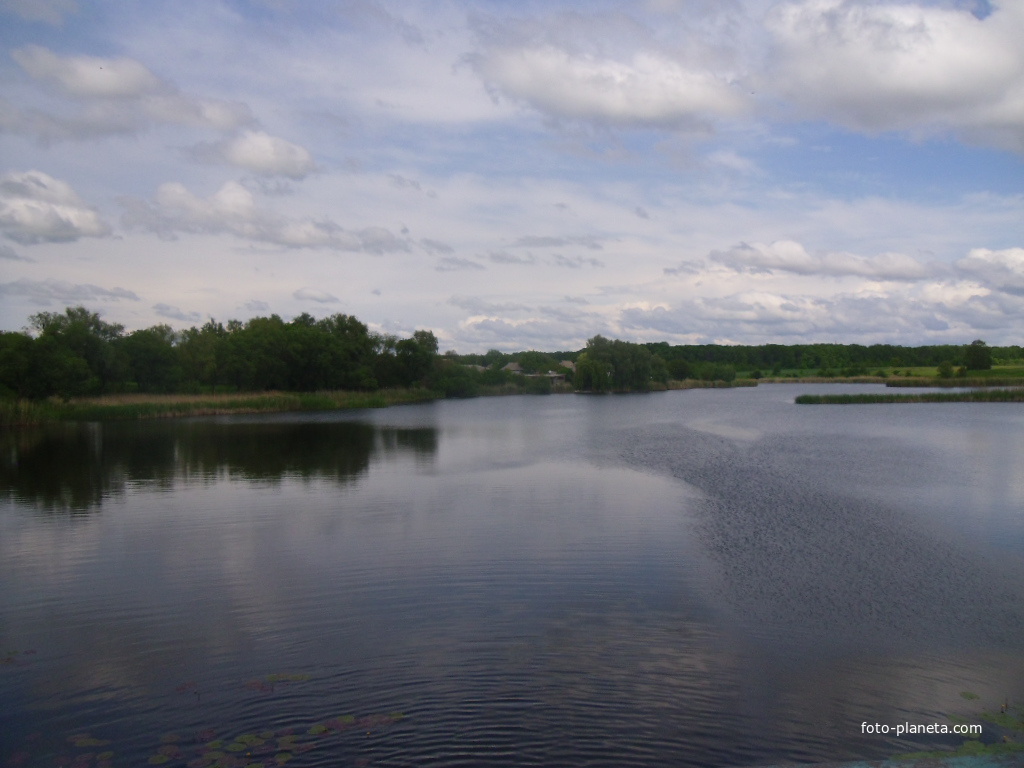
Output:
x=808 y=566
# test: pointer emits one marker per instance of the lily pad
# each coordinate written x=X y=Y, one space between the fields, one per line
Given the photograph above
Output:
x=88 y=741
x=159 y=760
x=282 y=757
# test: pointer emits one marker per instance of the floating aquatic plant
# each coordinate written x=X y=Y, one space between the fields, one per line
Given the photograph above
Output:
x=1008 y=718
x=265 y=748
x=85 y=740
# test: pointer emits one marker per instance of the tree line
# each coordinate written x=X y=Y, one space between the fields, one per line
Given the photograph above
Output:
x=831 y=359
x=76 y=353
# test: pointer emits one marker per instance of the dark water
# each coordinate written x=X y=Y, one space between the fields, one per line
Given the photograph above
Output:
x=705 y=578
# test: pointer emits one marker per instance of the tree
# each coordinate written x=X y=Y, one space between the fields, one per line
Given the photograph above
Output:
x=978 y=356
x=592 y=374
x=416 y=357
x=629 y=365
x=82 y=334
x=152 y=359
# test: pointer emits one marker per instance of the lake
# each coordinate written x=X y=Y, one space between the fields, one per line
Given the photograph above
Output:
x=690 y=578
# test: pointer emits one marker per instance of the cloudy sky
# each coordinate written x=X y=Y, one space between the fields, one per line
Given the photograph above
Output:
x=520 y=174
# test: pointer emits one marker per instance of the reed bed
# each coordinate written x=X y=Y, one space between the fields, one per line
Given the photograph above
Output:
x=973 y=381
x=136 y=406
x=702 y=384
x=1015 y=395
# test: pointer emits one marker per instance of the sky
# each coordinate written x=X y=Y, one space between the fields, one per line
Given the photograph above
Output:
x=520 y=175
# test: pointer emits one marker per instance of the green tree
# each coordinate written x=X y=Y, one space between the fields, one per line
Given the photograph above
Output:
x=82 y=334
x=592 y=374
x=416 y=357
x=201 y=354
x=152 y=359
x=977 y=356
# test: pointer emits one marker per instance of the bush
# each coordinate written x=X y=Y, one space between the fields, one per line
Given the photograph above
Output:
x=538 y=385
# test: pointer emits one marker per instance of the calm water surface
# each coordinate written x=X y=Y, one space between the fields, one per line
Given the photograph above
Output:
x=705 y=578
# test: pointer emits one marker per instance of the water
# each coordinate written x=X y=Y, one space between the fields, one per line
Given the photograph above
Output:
x=705 y=578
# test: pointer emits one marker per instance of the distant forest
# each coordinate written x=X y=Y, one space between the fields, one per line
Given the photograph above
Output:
x=76 y=353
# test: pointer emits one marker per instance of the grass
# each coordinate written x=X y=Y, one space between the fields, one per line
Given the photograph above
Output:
x=974 y=380
x=1015 y=395
x=908 y=376
x=702 y=384
x=135 y=406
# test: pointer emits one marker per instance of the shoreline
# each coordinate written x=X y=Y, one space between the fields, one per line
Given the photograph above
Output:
x=122 y=407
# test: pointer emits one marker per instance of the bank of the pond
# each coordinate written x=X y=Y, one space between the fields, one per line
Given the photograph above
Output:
x=128 y=407
x=140 y=406
x=974 y=381
x=1014 y=395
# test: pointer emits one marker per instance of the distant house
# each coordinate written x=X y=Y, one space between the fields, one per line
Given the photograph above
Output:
x=568 y=364
x=512 y=368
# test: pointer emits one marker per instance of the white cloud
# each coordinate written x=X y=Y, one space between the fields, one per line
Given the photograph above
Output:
x=480 y=306
x=483 y=331
x=8 y=253
x=48 y=11
x=261 y=153
x=649 y=89
x=233 y=210
x=113 y=95
x=902 y=66
x=789 y=256
x=36 y=208
x=543 y=241
x=575 y=262
x=504 y=257
x=311 y=294
x=174 y=313
x=457 y=264
x=62 y=292
x=1001 y=270
x=88 y=76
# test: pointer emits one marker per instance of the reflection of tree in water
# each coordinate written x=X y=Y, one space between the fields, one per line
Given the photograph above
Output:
x=76 y=467
x=64 y=468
